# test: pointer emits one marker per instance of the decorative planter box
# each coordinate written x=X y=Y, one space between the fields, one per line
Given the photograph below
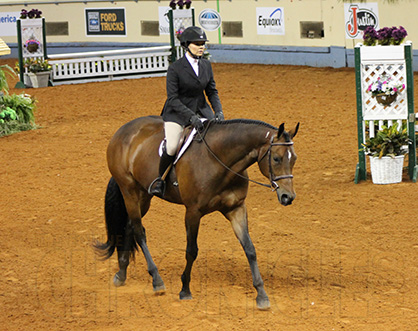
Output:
x=386 y=170
x=39 y=79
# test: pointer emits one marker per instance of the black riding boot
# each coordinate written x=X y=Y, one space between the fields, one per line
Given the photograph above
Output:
x=157 y=187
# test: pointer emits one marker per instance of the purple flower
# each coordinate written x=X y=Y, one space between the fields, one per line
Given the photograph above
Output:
x=370 y=36
x=399 y=35
x=385 y=36
x=180 y=3
x=172 y=4
x=188 y=3
x=24 y=13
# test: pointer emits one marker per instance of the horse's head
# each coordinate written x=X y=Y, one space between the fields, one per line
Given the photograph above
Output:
x=276 y=160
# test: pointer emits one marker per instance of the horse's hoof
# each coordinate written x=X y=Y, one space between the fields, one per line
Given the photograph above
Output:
x=159 y=289
x=263 y=304
x=117 y=281
x=185 y=295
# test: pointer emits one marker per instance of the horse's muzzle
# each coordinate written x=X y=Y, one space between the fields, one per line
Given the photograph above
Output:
x=286 y=199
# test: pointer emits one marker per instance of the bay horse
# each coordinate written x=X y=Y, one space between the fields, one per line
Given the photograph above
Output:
x=210 y=176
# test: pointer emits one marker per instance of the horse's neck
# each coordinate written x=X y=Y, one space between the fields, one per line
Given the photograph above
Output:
x=240 y=143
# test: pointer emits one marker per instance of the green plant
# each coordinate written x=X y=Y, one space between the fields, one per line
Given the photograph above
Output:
x=5 y=69
x=16 y=114
x=7 y=114
x=388 y=142
x=22 y=104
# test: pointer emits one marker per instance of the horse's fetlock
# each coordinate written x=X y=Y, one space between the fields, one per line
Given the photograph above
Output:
x=152 y=271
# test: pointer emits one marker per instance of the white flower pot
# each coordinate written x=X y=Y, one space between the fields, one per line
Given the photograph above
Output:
x=39 y=79
x=386 y=170
x=26 y=80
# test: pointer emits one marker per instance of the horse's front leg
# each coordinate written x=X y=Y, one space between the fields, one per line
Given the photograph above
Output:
x=192 y=230
x=239 y=222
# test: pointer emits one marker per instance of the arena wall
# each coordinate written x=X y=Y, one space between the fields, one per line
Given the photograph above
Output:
x=237 y=40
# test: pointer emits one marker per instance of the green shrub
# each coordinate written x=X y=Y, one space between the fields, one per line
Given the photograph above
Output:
x=22 y=104
x=16 y=113
x=388 y=142
x=4 y=87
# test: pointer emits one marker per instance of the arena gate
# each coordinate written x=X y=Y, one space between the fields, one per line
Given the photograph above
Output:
x=377 y=61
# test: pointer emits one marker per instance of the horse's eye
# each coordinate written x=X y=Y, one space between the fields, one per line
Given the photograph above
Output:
x=276 y=159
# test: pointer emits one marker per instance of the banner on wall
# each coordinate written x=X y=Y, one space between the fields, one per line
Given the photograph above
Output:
x=8 y=23
x=105 y=22
x=270 y=20
x=358 y=16
x=164 y=22
x=210 y=19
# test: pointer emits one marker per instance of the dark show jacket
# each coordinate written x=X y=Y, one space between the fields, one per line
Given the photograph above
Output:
x=185 y=92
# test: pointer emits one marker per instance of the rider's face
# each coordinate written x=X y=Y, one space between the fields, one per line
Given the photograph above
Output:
x=197 y=48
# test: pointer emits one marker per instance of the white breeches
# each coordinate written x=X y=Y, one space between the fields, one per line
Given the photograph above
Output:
x=173 y=132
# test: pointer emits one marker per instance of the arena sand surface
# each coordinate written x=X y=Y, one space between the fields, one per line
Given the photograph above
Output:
x=342 y=256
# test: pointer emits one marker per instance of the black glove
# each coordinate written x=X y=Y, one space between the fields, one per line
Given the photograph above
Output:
x=219 y=116
x=196 y=122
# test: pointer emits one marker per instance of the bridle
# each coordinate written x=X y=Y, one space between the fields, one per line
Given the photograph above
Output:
x=273 y=185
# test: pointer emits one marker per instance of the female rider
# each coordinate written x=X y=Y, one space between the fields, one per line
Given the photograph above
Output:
x=187 y=80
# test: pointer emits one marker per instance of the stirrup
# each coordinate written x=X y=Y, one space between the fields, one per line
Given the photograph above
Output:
x=157 y=187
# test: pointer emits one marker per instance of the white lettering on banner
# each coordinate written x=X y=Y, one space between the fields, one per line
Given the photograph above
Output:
x=270 y=21
x=8 y=23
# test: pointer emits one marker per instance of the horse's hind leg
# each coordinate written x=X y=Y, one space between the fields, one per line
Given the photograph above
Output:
x=239 y=222
x=133 y=198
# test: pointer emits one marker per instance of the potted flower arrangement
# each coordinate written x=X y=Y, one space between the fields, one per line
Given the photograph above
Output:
x=32 y=45
x=384 y=36
x=385 y=90
x=386 y=151
x=39 y=71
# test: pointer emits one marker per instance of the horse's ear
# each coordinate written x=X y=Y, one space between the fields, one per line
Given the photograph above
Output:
x=281 y=130
x=293 y=132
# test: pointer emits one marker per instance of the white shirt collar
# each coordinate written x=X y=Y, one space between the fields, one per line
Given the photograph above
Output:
x=194 y=63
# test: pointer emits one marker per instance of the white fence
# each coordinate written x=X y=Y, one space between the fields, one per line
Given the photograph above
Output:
x=85 y=67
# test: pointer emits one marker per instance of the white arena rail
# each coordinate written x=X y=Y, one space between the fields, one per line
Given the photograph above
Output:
x=86 y=67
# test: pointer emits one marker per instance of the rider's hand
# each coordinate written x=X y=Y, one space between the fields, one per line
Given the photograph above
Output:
x=196 y=122
x=219 y=116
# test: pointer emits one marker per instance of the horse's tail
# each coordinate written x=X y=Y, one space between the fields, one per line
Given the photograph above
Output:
x=116 y=223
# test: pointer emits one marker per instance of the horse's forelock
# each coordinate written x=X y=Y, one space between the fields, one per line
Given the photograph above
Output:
x=286 y=136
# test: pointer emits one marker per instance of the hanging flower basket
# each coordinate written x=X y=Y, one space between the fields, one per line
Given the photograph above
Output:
x=387 y=169
x=385 y=90
x=385 y=99
x=32 y=45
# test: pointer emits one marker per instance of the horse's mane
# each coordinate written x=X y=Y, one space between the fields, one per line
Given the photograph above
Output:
x=245 y=121
x=255 y=122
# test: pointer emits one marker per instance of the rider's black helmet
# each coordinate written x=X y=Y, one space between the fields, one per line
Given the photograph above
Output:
x=192 y=34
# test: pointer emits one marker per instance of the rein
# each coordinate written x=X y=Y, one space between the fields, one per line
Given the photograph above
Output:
x=273 y=185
